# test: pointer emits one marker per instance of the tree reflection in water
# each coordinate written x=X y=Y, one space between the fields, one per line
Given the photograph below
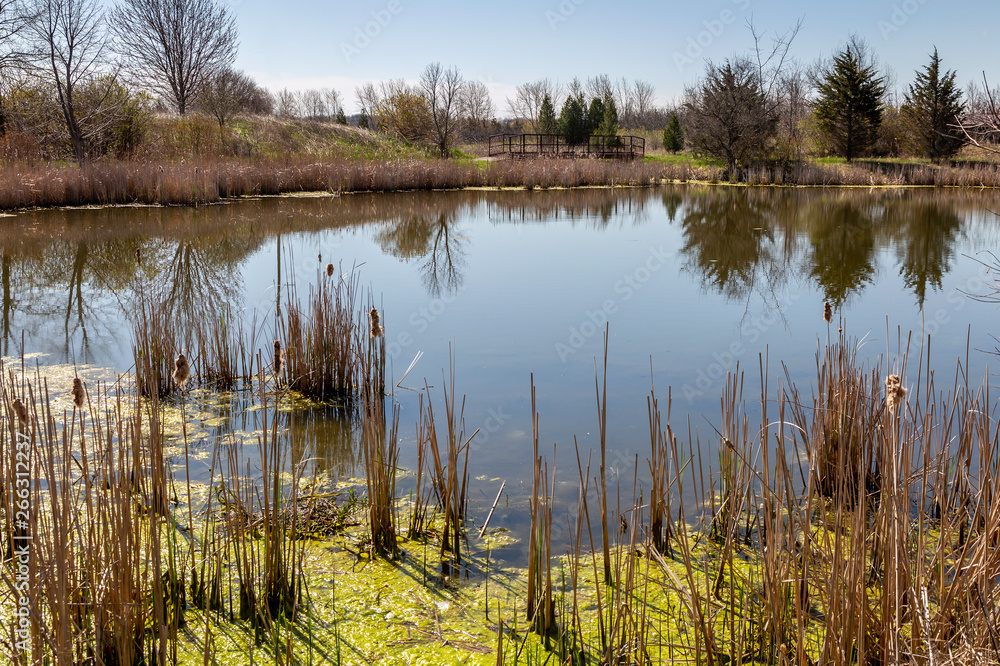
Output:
x=842 y=240
x=925 y=246
x=69 y=278
x=434 y=239
x=729 y=242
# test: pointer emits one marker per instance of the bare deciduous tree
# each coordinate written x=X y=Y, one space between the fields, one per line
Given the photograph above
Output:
x=331 y=97
x=981 y=122
x=528 y=98
x=645 y=98
x=15 y=18
x=226 y=94
x=286 y=104
x=367 y=97
x=174 y=46
x=313 y=105
x=476 y=110
x=442 y=88
x=70 y=41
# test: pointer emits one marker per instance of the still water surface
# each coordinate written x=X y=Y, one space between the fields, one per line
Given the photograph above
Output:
x=692 y=280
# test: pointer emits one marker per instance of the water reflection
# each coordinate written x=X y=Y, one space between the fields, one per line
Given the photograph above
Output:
x=69 y=279
x=730 y=243
x=926 y=244
x=433 y=239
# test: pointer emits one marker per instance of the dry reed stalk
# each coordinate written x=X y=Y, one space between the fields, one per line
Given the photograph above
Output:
x=602 y=424
x=449 y=469
x=381 y=457
x=660 y=438
x=226 y=354
x=421 y=499
x=539 y=603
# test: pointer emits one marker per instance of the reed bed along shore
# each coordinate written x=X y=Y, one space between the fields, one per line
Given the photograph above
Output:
x=854 y=522
x=124 y=183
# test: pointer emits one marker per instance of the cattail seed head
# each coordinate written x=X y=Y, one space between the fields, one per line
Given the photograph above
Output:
x=77 y=393
x=895 y=393
x=376 y=328
x=279 y=358
x=329 y=270
x=827 y=312
x=319 y=257
x=20 y=410
x=138 y=256
x=182 y=370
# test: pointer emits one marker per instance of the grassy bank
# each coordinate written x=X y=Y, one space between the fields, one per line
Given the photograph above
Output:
x=853 y=522
x=205 y=181
x=208 y=182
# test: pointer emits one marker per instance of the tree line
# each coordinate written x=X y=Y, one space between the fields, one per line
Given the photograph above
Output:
x=87 y=82
x=762 y=108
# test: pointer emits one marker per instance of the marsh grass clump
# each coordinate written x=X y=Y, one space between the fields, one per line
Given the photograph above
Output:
x=324 y=352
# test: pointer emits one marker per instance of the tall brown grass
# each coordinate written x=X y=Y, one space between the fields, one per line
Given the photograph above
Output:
x=26 y=185
x=834 y=530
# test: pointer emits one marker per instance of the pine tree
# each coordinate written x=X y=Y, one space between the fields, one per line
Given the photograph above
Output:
x=573 y=121
x=341 y=117
x=547 y=123
x=673 y=136
x=849 y=111
x=931 y=111
x=363 y=120
x=609 y=123
x=595 y=115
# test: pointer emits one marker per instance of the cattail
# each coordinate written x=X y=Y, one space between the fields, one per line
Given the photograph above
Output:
x=77 y=393
x=319 y=257
x=827 y=312
x=329 y=270
x=895 y=394
x=182 y=370
x=21 y=411
x=279 y=358
x=138 y=256
x=376 y=329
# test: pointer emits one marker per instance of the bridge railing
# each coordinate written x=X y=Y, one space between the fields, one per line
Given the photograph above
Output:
x=521 y=146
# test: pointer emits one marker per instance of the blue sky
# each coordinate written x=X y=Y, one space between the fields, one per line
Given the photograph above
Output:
x=316 y=43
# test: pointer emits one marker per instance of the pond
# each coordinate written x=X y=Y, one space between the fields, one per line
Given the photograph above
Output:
x=691 y=282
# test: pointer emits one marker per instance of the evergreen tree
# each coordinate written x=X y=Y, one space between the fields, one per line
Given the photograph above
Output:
x=573 y=121
x=673 y=136
x=609 y=124
x=849 y=110
x=547 y=123
x=363 y=120
x=341 y=117
x=931 y=112
x=595 y=115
